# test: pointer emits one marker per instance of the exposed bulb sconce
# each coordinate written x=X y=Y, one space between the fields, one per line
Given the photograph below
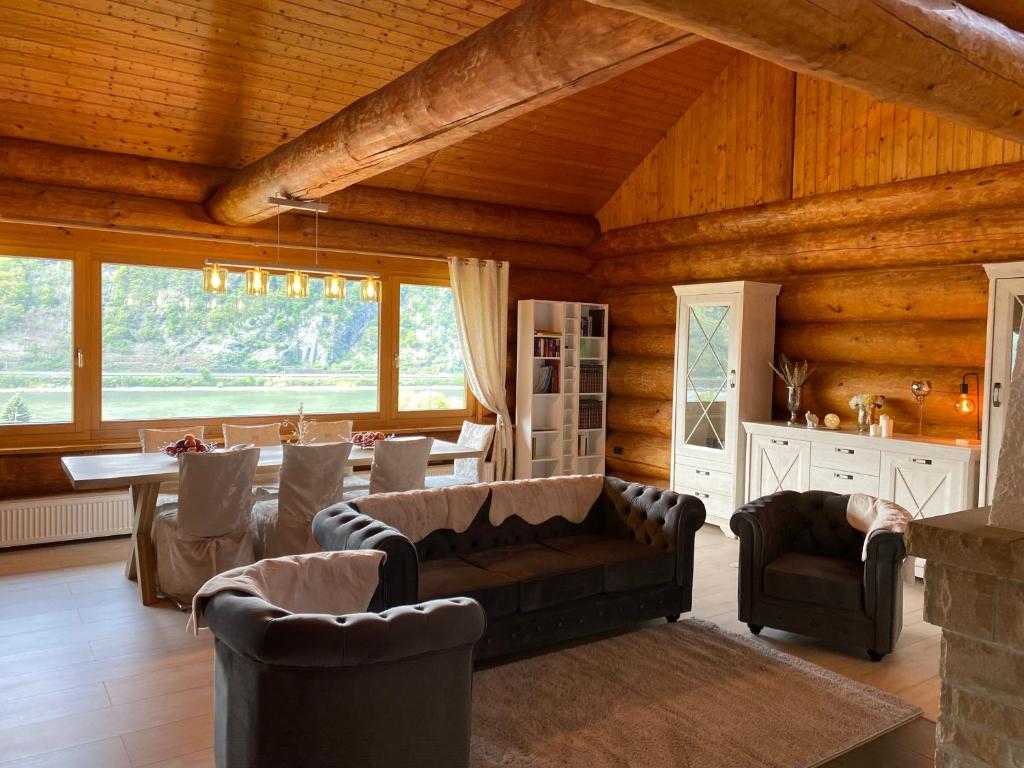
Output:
x=215 y=279
x=967 y=404
x=370 y=289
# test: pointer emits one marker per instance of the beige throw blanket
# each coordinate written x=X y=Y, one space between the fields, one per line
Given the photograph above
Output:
x=536 y=501
x=868 y=513
x=335 y=583
x=418 y=513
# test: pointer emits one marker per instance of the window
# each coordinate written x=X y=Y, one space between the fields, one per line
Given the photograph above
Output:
x=172 y=351
x=430 y=374
x=36 y=340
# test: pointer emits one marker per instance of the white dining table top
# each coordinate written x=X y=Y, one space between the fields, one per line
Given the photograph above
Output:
x=116 y=470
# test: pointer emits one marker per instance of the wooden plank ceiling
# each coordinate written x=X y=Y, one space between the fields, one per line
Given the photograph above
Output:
x=222 y=83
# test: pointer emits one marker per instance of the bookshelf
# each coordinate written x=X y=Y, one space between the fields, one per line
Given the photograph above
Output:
x=561 y=388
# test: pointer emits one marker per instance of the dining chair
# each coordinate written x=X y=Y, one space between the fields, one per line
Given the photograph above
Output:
x=312 y=478
x=328 y=431
x=208 y=530
x=153 y=441
x=466 y=471
x=400 y=464
x=261 y=436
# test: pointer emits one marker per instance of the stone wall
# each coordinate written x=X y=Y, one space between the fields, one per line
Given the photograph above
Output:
x=974 y=590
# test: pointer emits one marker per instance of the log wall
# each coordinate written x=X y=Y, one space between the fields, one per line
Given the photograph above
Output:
x=731 y=148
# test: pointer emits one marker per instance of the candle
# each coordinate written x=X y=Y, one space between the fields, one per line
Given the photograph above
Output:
x=886 y=424
x=874 y=430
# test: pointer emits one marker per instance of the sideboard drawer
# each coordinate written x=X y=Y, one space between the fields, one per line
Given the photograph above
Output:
x=863 y=461
x=704 y=478
x=843 y=481
x=716 y=505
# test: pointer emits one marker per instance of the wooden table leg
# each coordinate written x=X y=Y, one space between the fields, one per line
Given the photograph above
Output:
x=130 y=569
x=144 y=553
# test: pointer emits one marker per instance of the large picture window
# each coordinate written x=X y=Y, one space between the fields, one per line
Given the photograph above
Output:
x=36 y=340
x=172 y=351
x=430 y=373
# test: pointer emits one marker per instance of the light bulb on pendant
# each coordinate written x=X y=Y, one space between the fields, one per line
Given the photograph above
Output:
x=964 y=404
x=296 y=285
x=257 y=281
x=215 y=278
x=369 y=289
x=334 y=286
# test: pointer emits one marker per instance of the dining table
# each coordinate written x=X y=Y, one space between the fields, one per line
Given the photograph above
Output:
x=143 y=473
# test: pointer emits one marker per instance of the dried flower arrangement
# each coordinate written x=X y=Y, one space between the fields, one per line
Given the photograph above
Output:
x=793 y=374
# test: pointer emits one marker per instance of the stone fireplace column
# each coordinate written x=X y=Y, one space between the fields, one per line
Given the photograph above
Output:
x=974 y=590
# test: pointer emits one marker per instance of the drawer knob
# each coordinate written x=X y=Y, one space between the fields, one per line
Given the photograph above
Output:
x=841 y=476
x=922 y=461
x=780 y=442
x=848 y=451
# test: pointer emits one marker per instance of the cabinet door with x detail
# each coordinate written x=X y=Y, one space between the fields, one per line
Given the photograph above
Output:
x=924 y=485
x=777 y=464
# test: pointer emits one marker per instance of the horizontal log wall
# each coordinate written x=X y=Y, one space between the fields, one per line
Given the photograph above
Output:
x=846 y=140
x=733 y=147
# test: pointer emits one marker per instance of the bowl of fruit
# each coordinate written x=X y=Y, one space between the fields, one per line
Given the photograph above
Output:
x=187 y=444
x=367 y=439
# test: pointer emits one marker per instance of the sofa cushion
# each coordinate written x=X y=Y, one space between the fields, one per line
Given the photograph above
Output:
x=830 y=582
x=546 y=577
x=626 y=563
x=452 y=577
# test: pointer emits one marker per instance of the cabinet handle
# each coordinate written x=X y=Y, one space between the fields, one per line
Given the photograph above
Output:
x=732 y=379
x=779 y=442
x=922 y=461
x=700 y=495
x=841 y=476
x=848 y=451
x=702 y=472
x=997 y=390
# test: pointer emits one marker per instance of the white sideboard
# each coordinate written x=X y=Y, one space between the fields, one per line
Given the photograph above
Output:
x=927 y=476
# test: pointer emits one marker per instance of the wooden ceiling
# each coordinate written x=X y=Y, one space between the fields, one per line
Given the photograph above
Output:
x=222 y=83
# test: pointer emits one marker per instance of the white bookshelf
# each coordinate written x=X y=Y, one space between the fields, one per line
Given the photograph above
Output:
x=571 y=340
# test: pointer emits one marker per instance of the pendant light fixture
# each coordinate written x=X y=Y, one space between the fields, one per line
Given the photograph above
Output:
x=257 y=281
x=369 y=289
x=215 y=278
x=296 y=285
x=334 y=286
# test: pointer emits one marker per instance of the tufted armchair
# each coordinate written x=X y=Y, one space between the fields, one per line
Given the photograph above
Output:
x=364 y=690
x=801 y=571
x=629 y=560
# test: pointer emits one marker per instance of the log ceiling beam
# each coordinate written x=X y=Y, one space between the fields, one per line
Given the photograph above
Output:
x=941 y=57
x=541 y=52
x=24 y=203
x=55 y=165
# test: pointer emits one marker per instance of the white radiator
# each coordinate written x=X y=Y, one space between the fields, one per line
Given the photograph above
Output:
x=62 y=518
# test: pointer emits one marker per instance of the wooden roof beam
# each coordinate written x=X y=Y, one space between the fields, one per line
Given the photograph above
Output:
x=534 y=55
x=937 y=56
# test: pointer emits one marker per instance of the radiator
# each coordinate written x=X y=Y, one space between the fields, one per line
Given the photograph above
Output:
x=63 y=518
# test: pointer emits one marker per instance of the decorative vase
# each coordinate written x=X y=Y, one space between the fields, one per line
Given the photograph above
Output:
x=793 y=395
x=864 y=418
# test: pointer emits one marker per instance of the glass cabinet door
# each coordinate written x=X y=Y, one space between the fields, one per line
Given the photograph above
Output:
x=708 y=375
x=1006 y=329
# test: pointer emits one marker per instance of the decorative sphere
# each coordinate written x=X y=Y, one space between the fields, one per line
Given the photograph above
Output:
x=831 y=421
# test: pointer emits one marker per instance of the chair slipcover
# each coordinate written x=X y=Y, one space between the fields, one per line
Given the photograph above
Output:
x=478 y=437
x=311 y=480
x=207 y=532
x=328 y=431
x=260 y=435
x=153 y=441
x=400 y=464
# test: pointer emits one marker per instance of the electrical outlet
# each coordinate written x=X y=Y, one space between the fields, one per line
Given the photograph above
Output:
x=617 y=450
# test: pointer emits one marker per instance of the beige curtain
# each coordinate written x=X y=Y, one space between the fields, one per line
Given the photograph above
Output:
x=480 y=289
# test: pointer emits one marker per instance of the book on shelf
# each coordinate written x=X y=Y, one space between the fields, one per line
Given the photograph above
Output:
x=547 y=346
x=592 y=323
x=545 y=378
x=591 y=379
x=591 y=414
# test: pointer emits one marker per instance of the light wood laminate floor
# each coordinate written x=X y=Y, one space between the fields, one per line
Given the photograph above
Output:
x=89 y=677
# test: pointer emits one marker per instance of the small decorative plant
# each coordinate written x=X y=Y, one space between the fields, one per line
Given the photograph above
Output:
x=794 y=375
x=867 y=407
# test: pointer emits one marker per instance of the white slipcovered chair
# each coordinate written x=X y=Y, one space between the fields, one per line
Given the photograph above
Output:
x=311 y=479
x=153 y=441
x=399 y=464
x=261 y=436
x=467 y=471
x=328 y=431
x=207 y=531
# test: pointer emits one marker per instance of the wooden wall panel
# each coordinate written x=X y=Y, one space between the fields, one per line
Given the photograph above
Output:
x=846 y=140
x=732 y=148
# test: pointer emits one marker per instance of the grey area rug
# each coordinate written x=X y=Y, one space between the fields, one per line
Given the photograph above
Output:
x=672 y=696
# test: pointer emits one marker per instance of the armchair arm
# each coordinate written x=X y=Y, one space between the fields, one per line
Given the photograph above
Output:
x=883 y=586
x=341 y=527
x=259 y=631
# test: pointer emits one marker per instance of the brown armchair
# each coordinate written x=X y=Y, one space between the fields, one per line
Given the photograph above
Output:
x=801 y=571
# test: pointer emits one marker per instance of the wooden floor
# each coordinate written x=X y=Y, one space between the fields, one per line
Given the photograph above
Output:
x=89 y=677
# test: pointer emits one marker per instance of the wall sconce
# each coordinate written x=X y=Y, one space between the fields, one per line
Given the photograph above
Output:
x=965 y=403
